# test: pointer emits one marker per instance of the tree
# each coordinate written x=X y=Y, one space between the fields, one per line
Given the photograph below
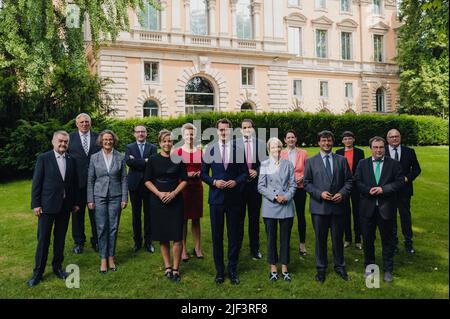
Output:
x=423 y=57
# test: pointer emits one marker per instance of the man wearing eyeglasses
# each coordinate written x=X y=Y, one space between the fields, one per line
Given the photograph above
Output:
x=411 y=169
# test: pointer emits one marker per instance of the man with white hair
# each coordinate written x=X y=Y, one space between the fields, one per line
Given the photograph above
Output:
x=411 y=169
x=53 y=196
x=82 y=146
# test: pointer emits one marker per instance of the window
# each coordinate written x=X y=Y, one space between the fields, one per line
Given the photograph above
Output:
x=378 y=47
x=379 y=96
x=345 y=5
x=376 y=7
x=150 y=18
x=199 y=17
x=321 y=4
x=323 y=89
x=321 y=43
x=248 y=76
x=150 y=108
x=151 y=71
x=295 y=40
x=349 y=91
x=199 y=95
x=294 y=3
x=346 y=45
x=297 y=87
x=244 y=20
x=246 y=107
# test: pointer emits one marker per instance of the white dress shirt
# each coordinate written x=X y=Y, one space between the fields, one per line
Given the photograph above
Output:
x=88 y=138
x=227 y=151
x=392 y=152
x=61 y=161
x=108 y=159
x=330 y=158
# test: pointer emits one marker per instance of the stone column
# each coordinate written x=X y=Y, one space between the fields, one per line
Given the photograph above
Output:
x=256 y=12
x=163 y=4
x=212 y=17
x=187 y=16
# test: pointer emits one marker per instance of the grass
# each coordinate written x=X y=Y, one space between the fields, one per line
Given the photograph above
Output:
x=424 y=275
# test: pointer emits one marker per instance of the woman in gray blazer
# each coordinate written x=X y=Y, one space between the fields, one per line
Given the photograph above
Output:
x=107 y=193
x=277 y=185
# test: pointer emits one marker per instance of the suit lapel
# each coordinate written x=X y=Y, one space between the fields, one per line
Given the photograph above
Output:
x=354 y=160
x=371 y=171
x=384 y=169
x=55 y=166
x=335 y=168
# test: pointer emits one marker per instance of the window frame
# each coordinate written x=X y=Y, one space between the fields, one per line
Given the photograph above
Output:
x=327 y=89
x=252 y=85
x=151 y=108
x=144 y=62
x=316 y=43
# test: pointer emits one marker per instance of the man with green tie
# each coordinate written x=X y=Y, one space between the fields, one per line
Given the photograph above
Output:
x=378 y=178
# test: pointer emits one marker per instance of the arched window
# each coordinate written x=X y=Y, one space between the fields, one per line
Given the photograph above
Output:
x=150 y=108
x=244 y=23
x=199 y=96
x=199 y=17
x=379 y=100
x=246 y=107
x=151 y=19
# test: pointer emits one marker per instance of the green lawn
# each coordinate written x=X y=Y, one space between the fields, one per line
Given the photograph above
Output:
x=424 y=275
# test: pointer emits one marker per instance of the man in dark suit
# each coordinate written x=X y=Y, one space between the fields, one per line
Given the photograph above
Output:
x=53 y=196
x=411 y=169
x=329 y=182
x=254 y=152
x=83 y=143
x=136 y=156
x=378 y=178
x=225 y=198
x=353 y=156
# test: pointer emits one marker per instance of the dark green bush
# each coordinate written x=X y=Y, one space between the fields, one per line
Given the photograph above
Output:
x=29 y=139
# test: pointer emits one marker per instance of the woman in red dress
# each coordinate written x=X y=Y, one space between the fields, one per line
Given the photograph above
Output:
x=193 y=192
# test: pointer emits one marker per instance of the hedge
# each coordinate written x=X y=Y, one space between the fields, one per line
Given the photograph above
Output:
x=30 y=139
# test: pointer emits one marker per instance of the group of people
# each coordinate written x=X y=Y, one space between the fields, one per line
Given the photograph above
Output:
x=245 y=175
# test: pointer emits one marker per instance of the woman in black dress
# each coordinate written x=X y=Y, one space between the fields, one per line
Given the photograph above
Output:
x=165 y=177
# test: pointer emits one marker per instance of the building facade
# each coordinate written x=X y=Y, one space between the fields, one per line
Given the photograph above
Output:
x=262 y=55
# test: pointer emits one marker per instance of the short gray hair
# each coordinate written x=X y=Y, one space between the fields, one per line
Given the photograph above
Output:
x=60 y=132
x=83 y=115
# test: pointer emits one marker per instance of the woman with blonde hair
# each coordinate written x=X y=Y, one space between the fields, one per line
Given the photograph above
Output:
x=193 y=192
x=165 y=177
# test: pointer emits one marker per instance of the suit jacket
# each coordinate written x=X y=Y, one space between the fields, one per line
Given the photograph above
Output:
x=300 y=163
x=391 y=180
x=101 y=183
x=137 y=165
x=316 y=181
x=259 y=146
x=212 y=161
x=81 y=159
x=410 y=168
x=271 y=184
x=49 y=188
x=358 y=154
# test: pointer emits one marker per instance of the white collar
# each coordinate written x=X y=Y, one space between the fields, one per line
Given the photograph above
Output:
x=58 y=155
x=323 y=154
x=88 y=133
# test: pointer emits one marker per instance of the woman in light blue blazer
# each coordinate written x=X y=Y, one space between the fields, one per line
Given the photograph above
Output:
x=107 y=193
x=277 y=185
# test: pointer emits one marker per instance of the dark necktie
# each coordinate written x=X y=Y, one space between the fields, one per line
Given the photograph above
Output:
x=328 y=166
x=141 y=150
x=396 y=154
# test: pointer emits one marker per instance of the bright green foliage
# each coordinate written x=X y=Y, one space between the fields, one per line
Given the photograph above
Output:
x=423 y=57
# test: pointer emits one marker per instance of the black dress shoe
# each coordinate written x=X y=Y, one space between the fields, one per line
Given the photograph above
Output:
x=256 y=255
x=150 y=248
x=78 y=249
x=36 y=279
x=320 y=277
x=94 y=246
x=60 y=273
x=219 y=279
x=194 y=252
x=343 y=274
x=410 y=250
x=234 y=279
x=136 y=248
x=396 y=251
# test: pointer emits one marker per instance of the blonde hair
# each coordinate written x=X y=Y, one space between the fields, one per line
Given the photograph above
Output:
x=163 y=133
x=272 y=140
x=188 y=126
